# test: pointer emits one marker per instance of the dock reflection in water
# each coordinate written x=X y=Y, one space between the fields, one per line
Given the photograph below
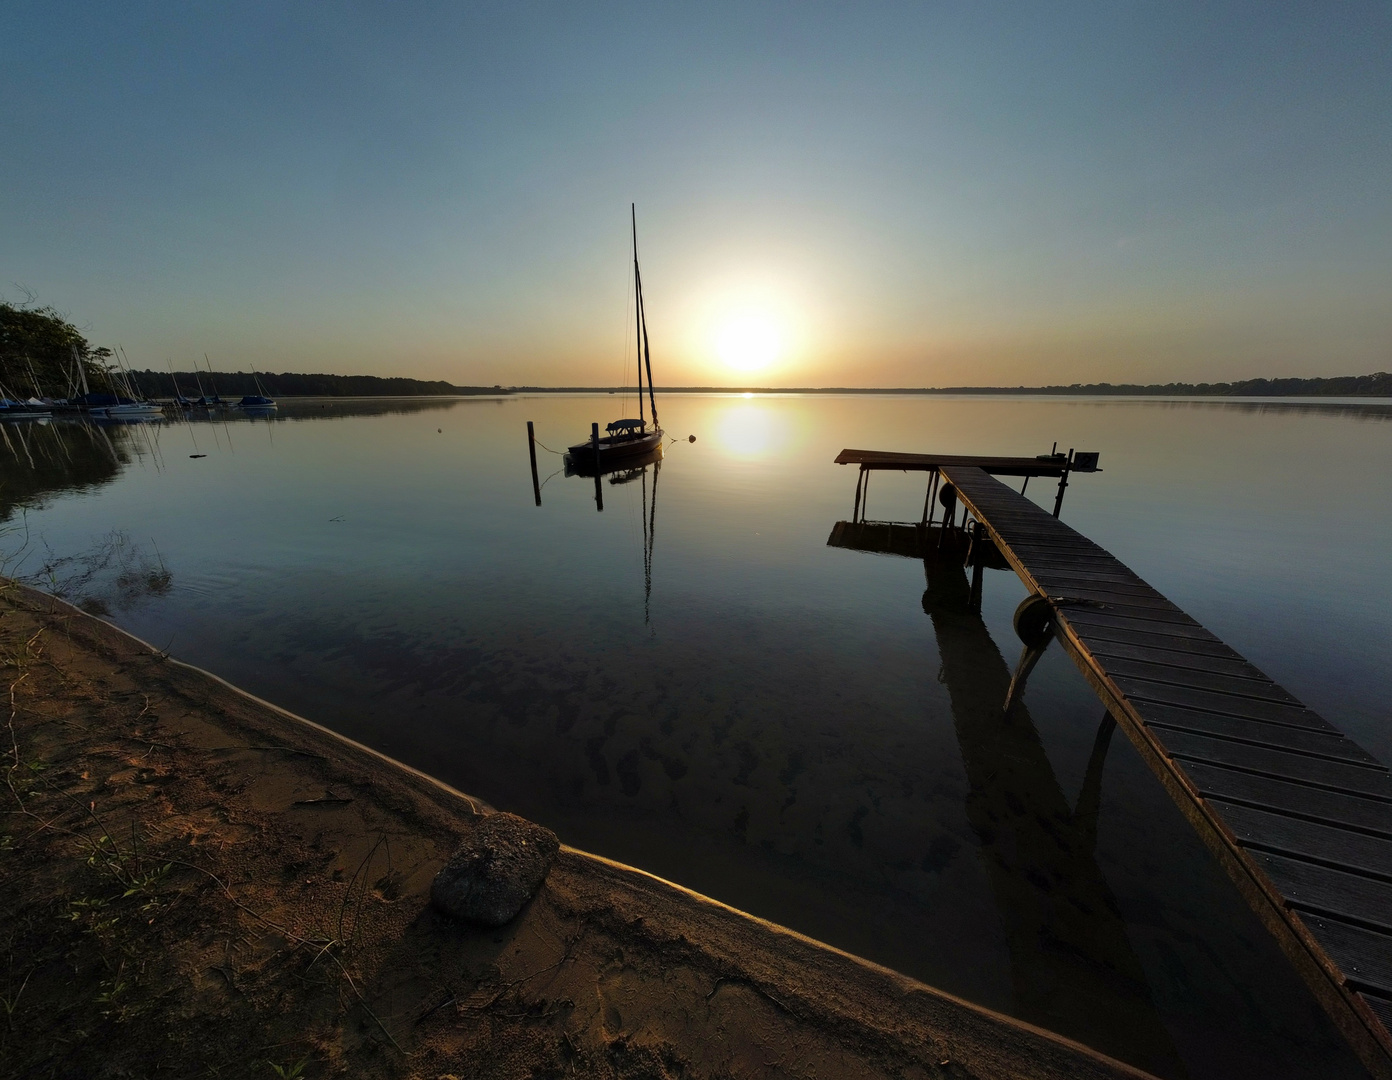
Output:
x=1073 y=969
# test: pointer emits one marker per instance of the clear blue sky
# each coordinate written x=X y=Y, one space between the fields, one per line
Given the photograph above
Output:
x=851 y=194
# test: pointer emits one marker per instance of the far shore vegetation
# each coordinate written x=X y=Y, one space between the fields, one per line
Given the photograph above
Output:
x=38 y=346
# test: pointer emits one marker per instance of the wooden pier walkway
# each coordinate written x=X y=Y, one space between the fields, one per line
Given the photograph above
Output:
x=1298 y=814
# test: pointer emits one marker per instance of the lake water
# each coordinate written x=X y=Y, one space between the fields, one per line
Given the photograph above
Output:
x=804 y=732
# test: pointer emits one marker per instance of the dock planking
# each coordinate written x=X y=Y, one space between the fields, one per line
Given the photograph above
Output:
x=1297 y=813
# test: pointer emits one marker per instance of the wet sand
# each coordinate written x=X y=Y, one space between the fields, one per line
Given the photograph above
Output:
x=199 y=883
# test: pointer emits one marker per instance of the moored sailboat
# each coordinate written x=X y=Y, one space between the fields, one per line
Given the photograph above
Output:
x=626 y=439
x=258 y=401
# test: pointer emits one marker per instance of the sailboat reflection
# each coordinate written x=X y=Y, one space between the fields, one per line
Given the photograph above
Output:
x=619 y=472
x=1073 y=969
x=649 y=516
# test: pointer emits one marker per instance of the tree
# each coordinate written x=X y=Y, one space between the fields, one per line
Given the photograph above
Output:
x=36 y=351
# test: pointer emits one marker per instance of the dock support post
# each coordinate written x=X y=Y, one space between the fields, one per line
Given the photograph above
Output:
x=1063 y=483
x=531 y=449
x=1089 y=807
x=948 y=497
x=928 y=509
x=594 y=449
x=855 y=513
x=978 y=565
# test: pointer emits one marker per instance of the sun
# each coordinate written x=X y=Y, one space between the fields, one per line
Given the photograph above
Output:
x=749 y=342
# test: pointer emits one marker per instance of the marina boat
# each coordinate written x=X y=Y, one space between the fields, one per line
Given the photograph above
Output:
x=131 y=410
x=23 y=410
x=119 y=407
x=258 y=401
x=625 y=440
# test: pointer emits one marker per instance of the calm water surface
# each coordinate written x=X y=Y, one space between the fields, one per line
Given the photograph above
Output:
x=808 y=733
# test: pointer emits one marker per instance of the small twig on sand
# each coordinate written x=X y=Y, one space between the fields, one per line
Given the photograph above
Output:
x=283 y=749
x=565 y=956
x=753 y=986
x=329 y=797
x=449 y=999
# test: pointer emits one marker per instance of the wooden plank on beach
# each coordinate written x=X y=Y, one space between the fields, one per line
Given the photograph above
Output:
x=1298 y=814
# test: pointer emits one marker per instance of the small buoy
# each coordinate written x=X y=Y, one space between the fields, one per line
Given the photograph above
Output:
x=198 y=455
x=691 y=438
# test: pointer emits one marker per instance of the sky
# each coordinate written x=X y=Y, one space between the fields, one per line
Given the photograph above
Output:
x=926 y=194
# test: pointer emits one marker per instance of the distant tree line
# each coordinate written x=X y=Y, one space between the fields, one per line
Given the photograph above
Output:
x=37 y=346
x=230 y=384
x=1378 y=384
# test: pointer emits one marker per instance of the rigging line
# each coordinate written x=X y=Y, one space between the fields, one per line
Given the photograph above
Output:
x=547 y=448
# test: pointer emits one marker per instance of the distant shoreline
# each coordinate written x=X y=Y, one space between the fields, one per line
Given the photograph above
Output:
x=287 y=384
x=960 y=391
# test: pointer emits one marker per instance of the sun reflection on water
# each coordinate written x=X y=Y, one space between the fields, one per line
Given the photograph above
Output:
x=751 y=430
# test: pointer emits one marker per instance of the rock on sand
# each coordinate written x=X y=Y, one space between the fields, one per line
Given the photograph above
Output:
x=500 y=866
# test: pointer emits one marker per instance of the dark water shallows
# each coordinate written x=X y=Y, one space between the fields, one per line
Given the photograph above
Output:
x=810 y=734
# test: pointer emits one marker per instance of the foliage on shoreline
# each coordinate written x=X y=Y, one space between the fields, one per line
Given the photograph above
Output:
x=1378 y=384
x=36 y=351
x=289 y=384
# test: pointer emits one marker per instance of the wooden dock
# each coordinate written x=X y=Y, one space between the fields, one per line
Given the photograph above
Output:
x=1047 y=465
x=1298 y=814
x=1044 y=465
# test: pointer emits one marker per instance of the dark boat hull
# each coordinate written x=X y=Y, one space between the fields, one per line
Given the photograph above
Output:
x=615 y=452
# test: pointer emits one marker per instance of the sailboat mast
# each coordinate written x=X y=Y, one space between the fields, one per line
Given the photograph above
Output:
x=647 y=358
x=81 y=371
x=637 y=308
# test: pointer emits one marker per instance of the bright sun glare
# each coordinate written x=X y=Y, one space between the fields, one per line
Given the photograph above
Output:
x=749 y=343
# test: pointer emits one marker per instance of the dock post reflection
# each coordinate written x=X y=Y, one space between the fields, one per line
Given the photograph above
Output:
x=598 y=490
x=1073 y=969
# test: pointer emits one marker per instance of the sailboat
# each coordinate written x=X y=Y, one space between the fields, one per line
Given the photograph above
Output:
x=626 y=439
x=260 y=400
x=117 y=405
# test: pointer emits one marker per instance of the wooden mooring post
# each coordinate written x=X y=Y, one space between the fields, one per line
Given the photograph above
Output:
x=531 y=449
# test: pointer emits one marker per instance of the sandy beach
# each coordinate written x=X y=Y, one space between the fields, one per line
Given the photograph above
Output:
x=197 y=883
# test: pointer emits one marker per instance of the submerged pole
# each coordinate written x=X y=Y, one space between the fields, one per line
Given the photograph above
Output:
x=531 y=449
x=594 y=449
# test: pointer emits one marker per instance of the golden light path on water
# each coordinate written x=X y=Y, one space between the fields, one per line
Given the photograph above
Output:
x=748 y=429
